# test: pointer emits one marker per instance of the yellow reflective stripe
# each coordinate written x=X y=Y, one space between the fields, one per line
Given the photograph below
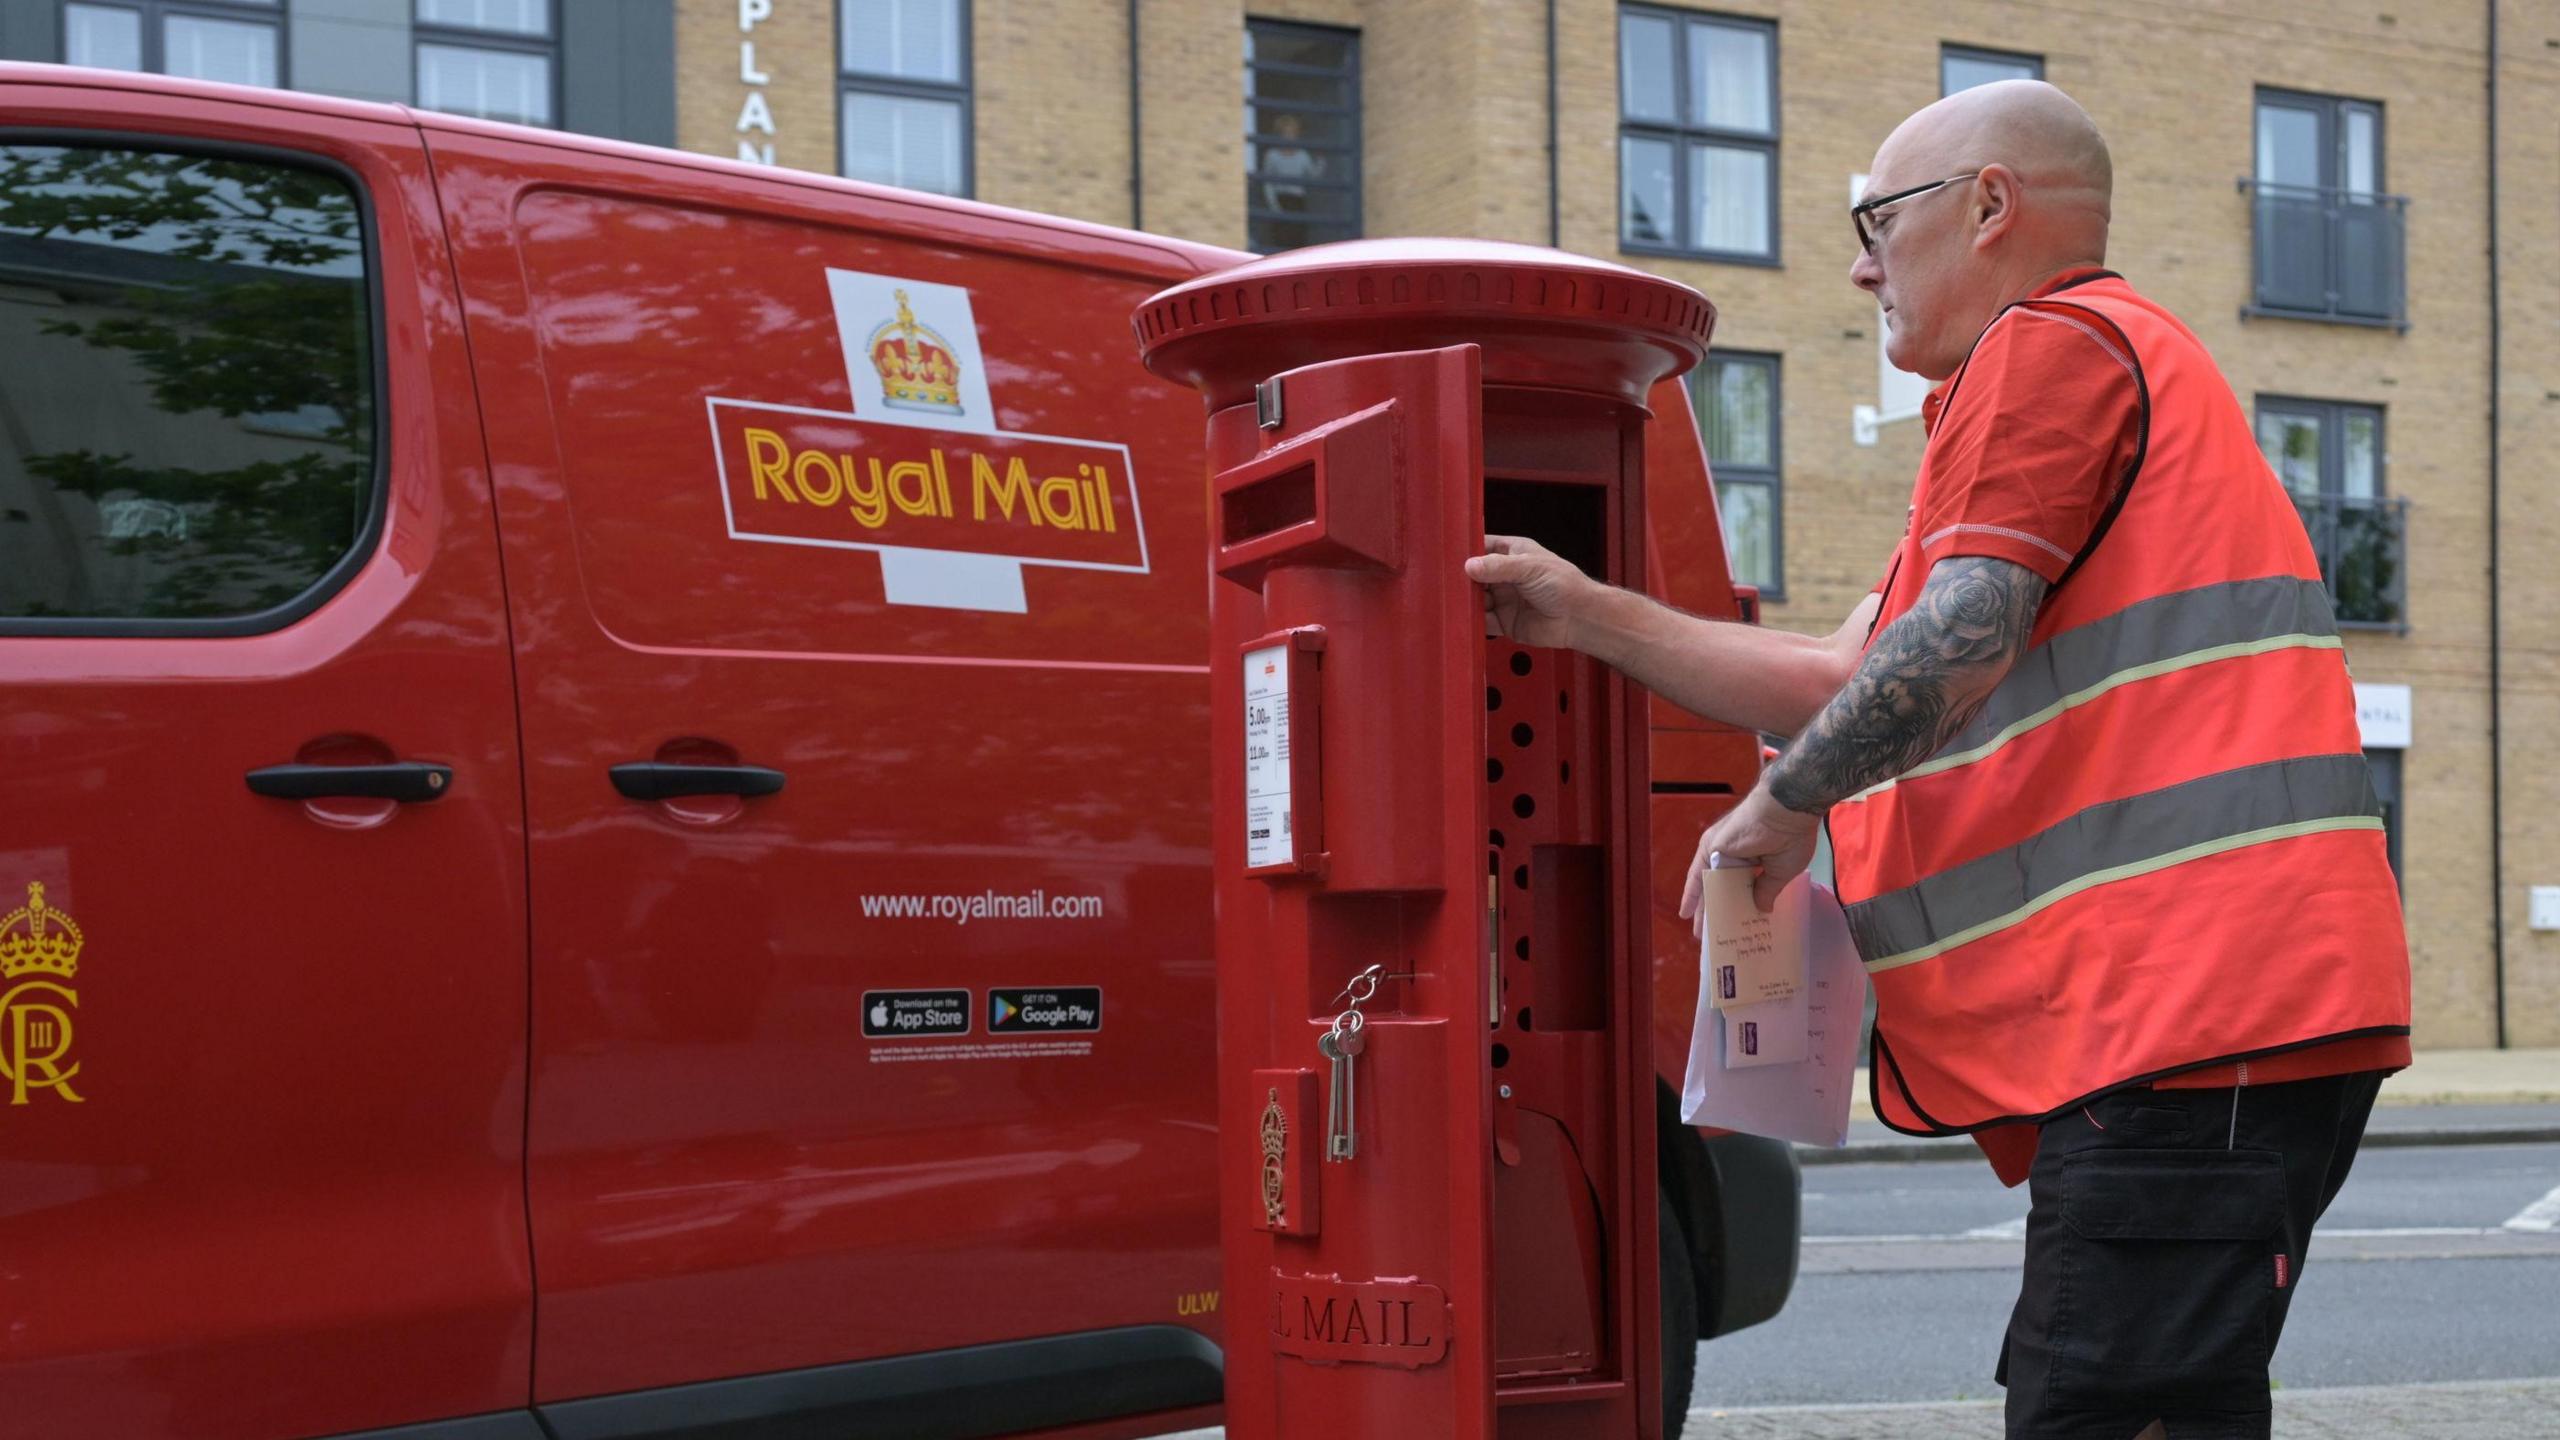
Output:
x=1938 y=763
x=2153 y=865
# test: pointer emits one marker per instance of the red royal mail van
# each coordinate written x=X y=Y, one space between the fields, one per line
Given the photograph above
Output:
x=603 y=798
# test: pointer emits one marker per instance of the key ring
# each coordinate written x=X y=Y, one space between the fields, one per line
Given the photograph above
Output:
x=1366 y=984
x=1362 y=987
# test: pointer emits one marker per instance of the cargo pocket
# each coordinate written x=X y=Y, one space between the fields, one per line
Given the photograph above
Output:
x=2167 y=1279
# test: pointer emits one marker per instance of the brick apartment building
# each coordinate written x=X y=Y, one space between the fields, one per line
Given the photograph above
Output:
x=2309 y=186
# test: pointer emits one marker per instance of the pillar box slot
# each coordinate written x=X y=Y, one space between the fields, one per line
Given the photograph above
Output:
x=1262 y=508
x=1324 y=498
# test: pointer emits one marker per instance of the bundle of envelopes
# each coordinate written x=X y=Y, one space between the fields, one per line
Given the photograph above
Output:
x=1780 y=998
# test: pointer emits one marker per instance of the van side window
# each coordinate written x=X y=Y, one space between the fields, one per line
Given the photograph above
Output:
x=187 y=409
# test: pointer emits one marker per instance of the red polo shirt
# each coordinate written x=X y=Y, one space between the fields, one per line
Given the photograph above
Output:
x=2044 y=424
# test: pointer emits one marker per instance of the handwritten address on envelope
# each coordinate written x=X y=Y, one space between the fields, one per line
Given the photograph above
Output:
x=1752 y=958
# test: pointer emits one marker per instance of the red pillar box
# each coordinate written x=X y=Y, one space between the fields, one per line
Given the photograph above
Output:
x=1468 y=1251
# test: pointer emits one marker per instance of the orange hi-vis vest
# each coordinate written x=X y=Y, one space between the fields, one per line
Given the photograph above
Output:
x=2156 y=847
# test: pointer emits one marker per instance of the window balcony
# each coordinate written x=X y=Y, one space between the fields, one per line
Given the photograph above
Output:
x=2324 y=254
x=2363 y=549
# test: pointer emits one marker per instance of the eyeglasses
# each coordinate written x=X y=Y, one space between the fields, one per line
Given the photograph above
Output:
x=1861 y=214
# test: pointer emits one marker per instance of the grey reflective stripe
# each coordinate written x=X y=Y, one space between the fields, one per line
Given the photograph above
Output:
x=2158 y=636
x=2139 y=835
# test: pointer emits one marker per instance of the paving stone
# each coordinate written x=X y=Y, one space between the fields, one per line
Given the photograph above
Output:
x=2466 y=1410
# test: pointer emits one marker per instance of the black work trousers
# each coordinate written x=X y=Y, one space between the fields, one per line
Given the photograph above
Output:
x=2166 y=1231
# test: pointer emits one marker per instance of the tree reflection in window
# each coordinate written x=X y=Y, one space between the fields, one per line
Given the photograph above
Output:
x=2329 y=456
x=187 y=426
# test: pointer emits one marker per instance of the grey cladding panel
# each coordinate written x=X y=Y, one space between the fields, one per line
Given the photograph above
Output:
x=31 y=30
x=354 y=48
x=618 y=69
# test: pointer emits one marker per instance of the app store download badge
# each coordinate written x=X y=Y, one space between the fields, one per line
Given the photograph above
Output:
x=914 y=1014
x=1067 y=1010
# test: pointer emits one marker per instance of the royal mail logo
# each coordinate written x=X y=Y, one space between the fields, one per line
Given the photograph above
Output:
x=916 y=367
x=39 y=956
x=918 y=471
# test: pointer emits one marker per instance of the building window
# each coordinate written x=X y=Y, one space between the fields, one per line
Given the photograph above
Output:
x=1961 y=67
x=191 y=386
x=2330 y=457
x=2328 y=243
x=1301 y=135
x=1697 y=134
x=905 y=75
x=490 y=58
x=1737 y=402
x=2386 y=788
x=238 y=41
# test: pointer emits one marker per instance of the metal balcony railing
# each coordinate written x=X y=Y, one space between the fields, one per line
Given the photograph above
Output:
x=2323 y=254
x=2364 y=555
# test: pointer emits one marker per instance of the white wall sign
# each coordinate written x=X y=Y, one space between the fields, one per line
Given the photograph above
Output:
x=2382 y=713
x=2545 y=909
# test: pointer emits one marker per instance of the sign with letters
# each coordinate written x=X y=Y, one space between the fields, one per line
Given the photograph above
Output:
x=2382 y=713
x=918 y=471
x=1377 y=1322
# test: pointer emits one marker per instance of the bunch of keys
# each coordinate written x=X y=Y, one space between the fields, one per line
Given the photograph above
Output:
x=1342 y=1045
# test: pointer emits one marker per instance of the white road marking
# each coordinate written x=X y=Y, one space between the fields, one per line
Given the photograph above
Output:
x=2541 y=1217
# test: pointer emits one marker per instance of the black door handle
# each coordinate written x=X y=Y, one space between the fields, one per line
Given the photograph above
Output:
x=409 y=781
x=649 y=780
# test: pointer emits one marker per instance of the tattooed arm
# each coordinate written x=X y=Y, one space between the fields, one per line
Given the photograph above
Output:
x=1924 y=677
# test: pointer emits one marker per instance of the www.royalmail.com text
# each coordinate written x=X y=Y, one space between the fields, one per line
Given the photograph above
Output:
x=984 y=905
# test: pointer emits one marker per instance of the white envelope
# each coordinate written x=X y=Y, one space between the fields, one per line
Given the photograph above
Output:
x=1774 y=1033
x=1806 y=1100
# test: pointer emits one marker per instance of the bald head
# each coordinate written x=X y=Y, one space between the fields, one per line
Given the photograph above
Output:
x=2027 y=196
x=2033 y=129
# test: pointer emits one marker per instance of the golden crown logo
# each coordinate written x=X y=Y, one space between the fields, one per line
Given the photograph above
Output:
x=39 y=949
x=1275 y=1179
x=35 y=938
x=917 y=369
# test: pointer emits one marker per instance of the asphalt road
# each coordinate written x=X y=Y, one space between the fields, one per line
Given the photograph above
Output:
x=2434 y=1264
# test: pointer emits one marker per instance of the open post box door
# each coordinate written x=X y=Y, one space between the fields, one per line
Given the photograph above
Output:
x=1436 y=1095
x=1350 y=861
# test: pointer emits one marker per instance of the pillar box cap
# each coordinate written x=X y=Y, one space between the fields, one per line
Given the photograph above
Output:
x=1544 y=318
